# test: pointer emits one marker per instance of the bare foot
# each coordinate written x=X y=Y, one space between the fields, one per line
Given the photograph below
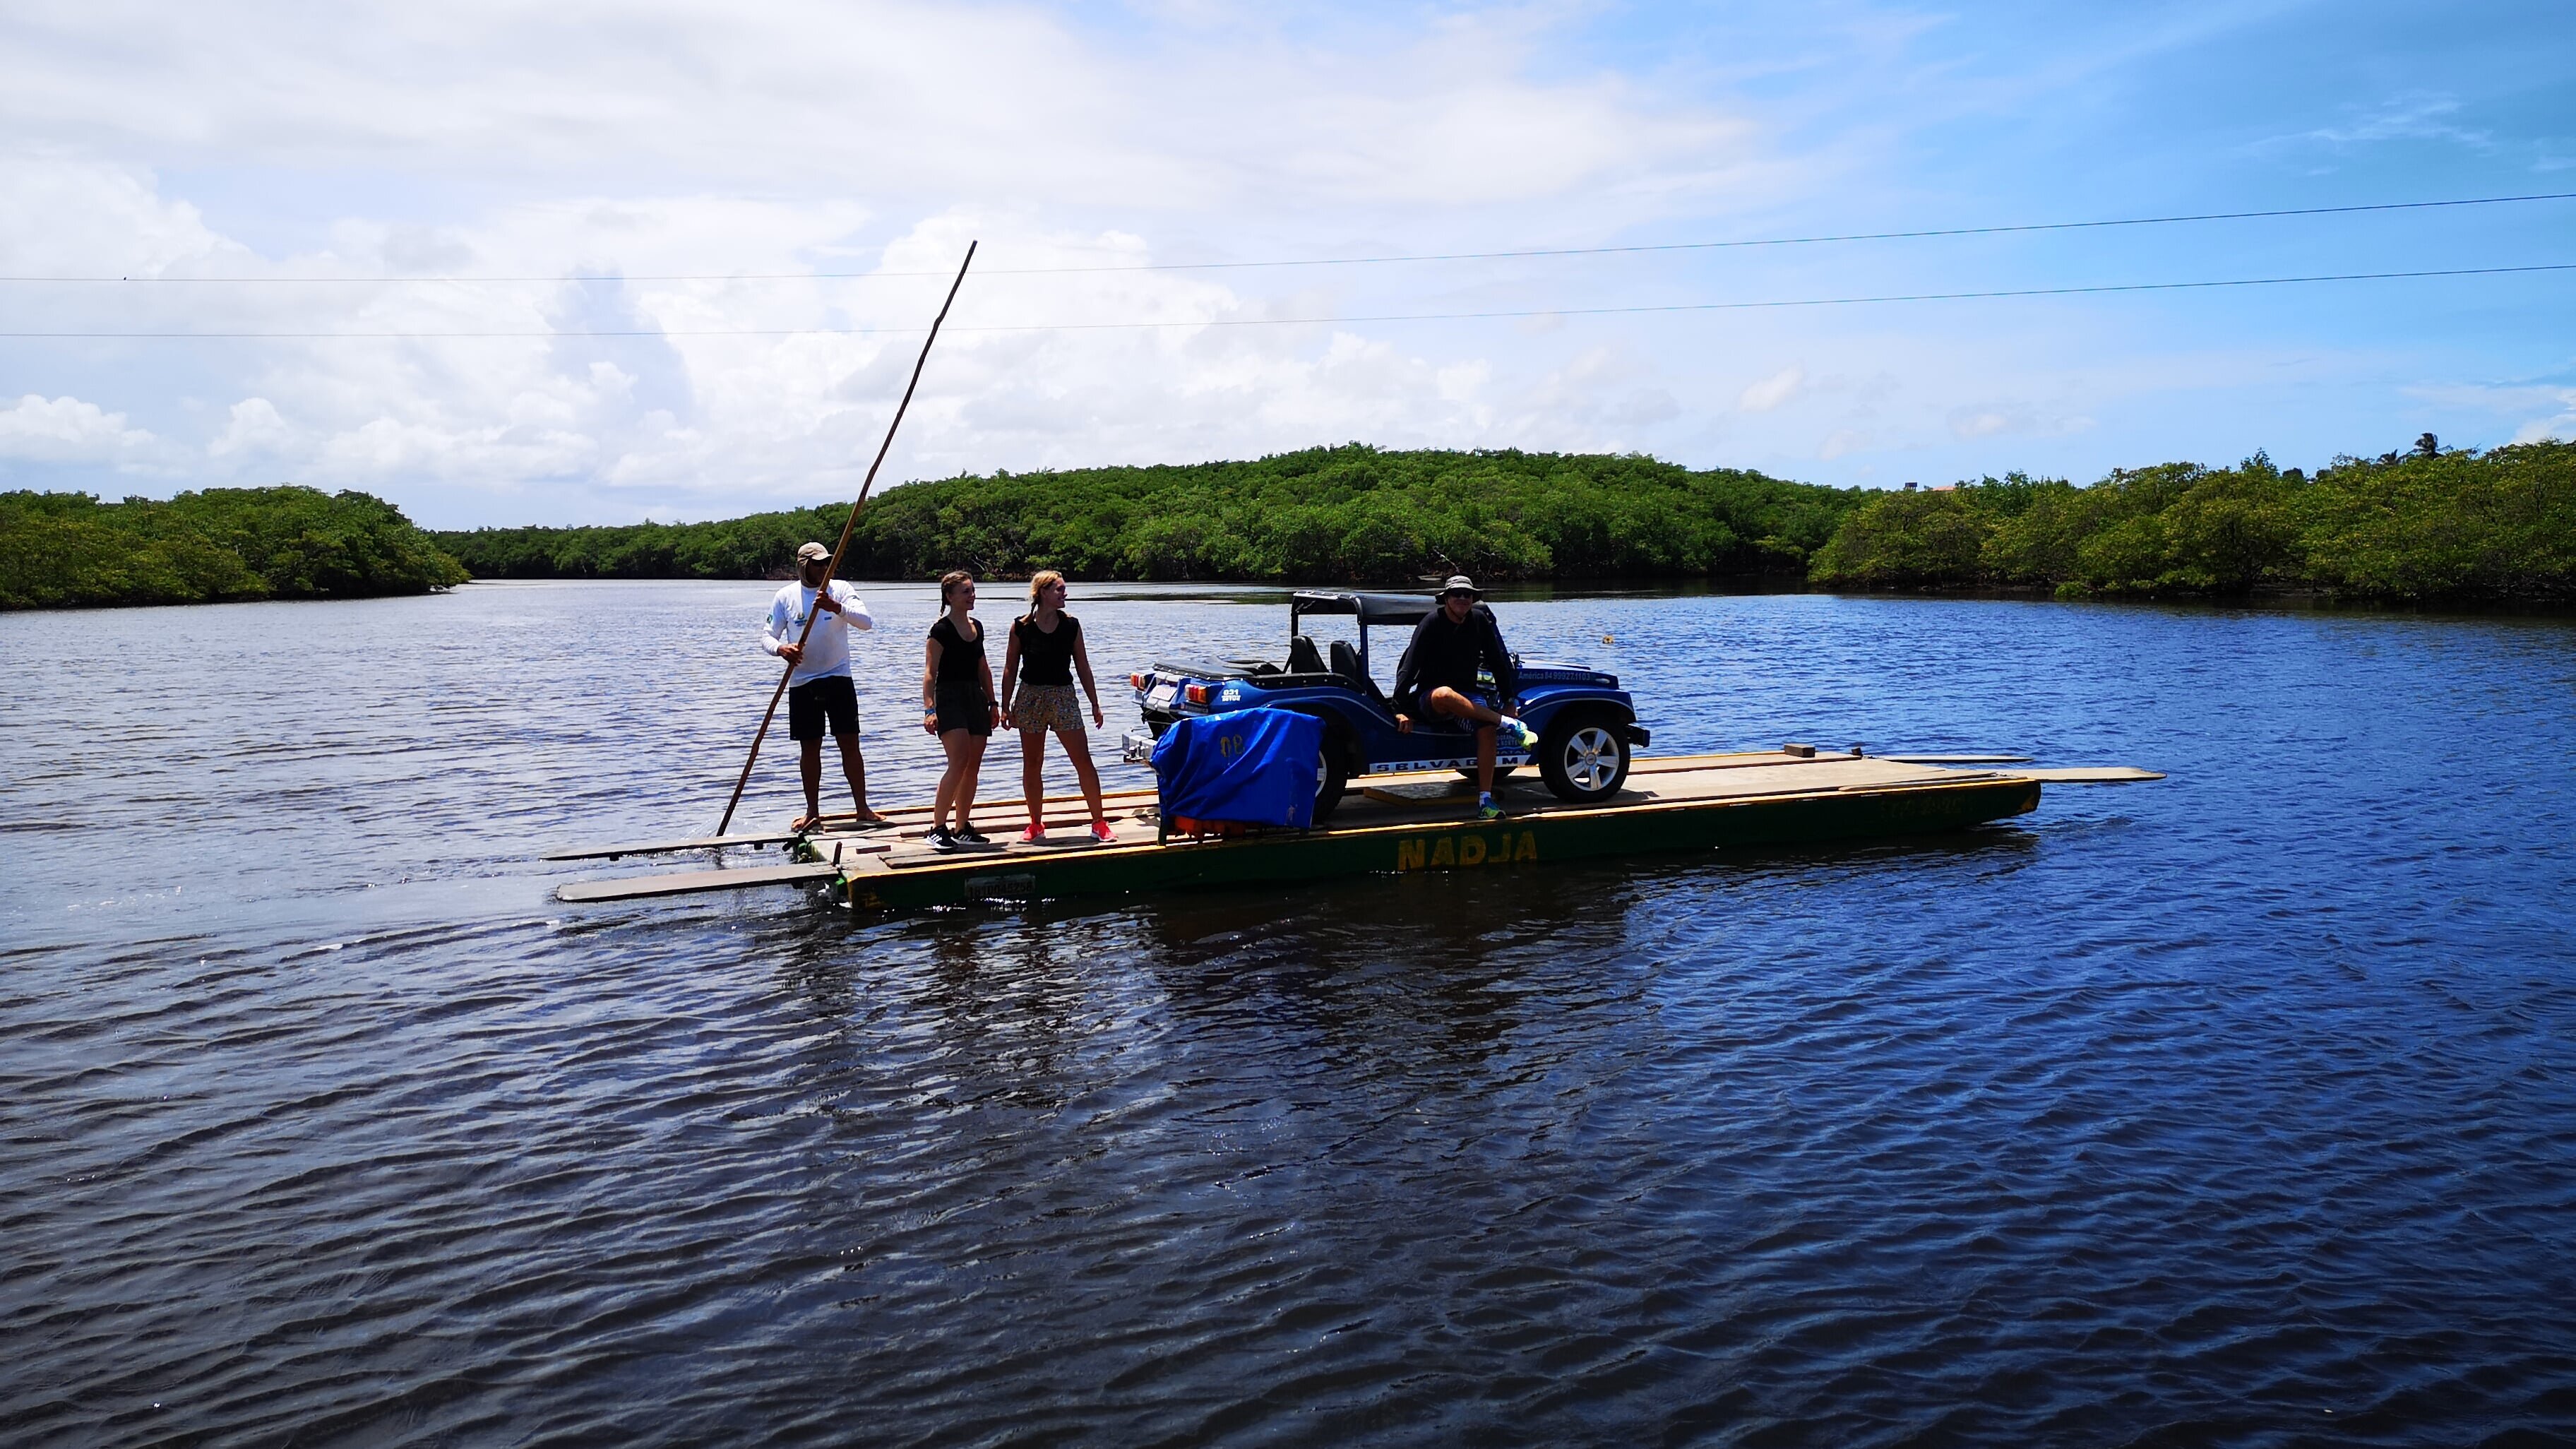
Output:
x=804 y=823
x=867 y=819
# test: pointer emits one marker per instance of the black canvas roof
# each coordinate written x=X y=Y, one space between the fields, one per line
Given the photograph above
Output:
x=1371 y=608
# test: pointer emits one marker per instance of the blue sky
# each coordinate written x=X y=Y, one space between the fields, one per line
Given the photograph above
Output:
x=324 y=153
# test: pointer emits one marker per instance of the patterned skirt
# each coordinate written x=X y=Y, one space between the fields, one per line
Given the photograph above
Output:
x=1056 y=707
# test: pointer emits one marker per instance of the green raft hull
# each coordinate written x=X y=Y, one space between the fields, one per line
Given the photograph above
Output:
x=1522 y=843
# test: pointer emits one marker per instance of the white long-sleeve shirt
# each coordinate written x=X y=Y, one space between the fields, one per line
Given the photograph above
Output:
x=827 y=650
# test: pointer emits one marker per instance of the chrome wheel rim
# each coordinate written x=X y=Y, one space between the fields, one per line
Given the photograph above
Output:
x=1592 y=758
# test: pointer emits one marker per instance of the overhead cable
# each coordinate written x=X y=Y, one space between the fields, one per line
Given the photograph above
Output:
x=1517 y=254
x=2111 y=287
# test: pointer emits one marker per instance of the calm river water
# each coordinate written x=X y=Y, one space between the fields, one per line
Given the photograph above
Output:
x=2239 y=1108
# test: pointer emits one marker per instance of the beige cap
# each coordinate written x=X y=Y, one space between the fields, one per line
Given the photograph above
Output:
x=812 y=553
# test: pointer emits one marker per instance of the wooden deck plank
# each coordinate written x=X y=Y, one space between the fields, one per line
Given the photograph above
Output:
x=678 y=883
x=665 y=847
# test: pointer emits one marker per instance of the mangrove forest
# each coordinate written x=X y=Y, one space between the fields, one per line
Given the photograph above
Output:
x=67 y=550
x=2425 y=525
x=2421 y=525
x=1351 y=514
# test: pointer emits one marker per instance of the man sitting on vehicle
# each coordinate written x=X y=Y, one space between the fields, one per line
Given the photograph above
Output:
x=1437 y=676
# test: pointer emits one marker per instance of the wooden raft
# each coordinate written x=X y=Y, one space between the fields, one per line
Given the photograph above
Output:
x=1385 y=822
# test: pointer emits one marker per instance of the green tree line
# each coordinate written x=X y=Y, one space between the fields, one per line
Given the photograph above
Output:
x=1351 y=514
x=2430 y=524
x=64 y=550
x=2427 y=525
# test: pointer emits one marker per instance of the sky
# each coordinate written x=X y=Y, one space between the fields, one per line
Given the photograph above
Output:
x=433 y=217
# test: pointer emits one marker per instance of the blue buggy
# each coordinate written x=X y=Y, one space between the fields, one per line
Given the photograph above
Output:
x=1587 y=725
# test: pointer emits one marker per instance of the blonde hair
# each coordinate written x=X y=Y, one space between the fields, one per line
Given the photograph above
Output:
x=1037 y=582
x=949 y=581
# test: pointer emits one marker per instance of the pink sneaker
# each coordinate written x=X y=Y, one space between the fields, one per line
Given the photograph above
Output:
x=1033 y=835
x=1101 y=832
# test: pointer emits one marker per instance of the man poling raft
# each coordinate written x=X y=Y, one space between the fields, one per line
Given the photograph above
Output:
x=832 y=566
x=820 y=692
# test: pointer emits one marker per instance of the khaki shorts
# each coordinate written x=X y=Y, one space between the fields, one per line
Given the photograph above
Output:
x=1056 y=707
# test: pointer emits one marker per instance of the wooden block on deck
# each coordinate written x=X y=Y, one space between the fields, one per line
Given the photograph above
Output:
x=1418 y=793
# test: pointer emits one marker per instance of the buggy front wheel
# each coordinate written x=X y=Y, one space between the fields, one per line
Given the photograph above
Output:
x=1583 y=755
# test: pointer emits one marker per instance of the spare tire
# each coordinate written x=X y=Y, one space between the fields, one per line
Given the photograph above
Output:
x=1583 y=755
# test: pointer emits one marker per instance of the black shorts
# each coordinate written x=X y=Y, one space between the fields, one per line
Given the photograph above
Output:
x=831 y=698
x=962 y=707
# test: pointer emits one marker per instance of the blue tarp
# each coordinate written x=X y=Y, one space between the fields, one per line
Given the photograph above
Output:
x=1249 y=767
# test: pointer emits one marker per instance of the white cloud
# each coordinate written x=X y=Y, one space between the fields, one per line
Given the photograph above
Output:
x=771 y=144
x=1845 y=441
x=2544 y=411
x=1770 y=392
x=2561 y=428
x=68 y=430
x=1989 y=420
x=2415 y=116
x=871 y=98
x=254 y=428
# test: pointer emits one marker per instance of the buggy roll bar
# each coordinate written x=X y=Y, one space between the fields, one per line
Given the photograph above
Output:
x=1370 y=608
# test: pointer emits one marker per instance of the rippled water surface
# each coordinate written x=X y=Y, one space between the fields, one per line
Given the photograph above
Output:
x=2239 y=1108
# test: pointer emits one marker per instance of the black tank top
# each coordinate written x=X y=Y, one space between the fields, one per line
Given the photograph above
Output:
x=960 y=661
x=1047 y=658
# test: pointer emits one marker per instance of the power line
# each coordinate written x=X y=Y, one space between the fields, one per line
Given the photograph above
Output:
x=1518 y=254
x=1792 y=241
x=2111 y=287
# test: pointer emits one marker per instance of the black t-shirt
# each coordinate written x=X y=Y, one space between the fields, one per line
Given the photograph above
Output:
x=961 y=661
x=1445 y=653
x=1046 y=658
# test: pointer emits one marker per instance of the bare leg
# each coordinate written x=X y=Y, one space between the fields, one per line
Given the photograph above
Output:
x=1033 y=774
x=1077 y=747
x=854 y=768
x=1458 y=706
x=809 y=764
x=967 y=758
x=947 y=793
x=1450 y=702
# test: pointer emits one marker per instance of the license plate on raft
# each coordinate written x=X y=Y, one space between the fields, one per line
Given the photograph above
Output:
x=1161 y=696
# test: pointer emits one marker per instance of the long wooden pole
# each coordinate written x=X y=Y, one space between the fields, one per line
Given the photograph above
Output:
x=832 y=569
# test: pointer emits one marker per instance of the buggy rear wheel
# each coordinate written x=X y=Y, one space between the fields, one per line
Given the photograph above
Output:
x=1331 y=776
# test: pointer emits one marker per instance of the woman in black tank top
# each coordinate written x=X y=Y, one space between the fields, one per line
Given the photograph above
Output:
x=957 y=706
x=1044 y=653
